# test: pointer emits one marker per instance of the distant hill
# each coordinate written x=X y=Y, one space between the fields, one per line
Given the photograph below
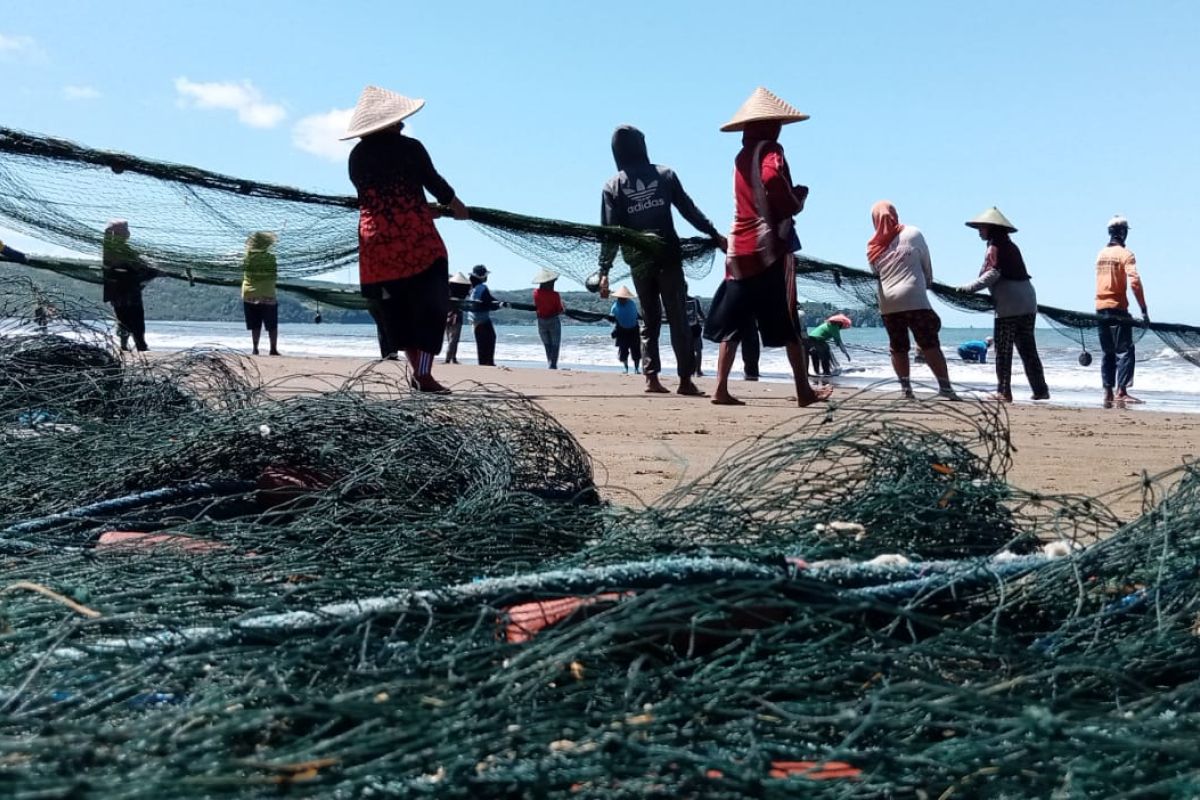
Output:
x=169 y=299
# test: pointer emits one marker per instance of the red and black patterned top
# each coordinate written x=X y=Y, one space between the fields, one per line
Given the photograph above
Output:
x=396 y=235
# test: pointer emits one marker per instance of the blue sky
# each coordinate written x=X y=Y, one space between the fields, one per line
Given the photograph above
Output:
x=1059 y=113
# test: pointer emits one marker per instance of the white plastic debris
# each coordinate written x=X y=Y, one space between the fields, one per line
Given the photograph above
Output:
x=890 y=560
x=1058 y=549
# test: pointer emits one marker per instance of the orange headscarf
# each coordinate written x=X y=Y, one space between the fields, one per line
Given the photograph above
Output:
x=887 y=228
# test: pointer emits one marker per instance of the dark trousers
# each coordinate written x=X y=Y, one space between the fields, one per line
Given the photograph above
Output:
x=821 y=356
x=628 y=342
x=485 y=343
x=453 y=334
x=751 y=348
x=1018 y=331
x=375 y=309
x=131 y=321
x=664 y=288
x=697 y=348
x=1116 y=341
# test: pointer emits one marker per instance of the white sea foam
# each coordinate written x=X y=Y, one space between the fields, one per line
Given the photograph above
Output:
x=1163 y=378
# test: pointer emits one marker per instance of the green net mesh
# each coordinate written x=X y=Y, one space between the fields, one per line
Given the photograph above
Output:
x=192 y=222
x=823 y=281
x=215 y=586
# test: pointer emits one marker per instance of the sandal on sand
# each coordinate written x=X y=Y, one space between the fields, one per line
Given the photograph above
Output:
x=428 y=386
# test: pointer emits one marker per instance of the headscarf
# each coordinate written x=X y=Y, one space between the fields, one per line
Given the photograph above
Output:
x=629 y=148
x=762 y=131
x=887 y=228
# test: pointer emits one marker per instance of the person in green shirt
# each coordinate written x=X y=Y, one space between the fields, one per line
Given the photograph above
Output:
x=819 y=338
x=259 y=304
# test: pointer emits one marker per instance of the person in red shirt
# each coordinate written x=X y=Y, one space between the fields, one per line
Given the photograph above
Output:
x=549 y=306
x=760 y=281
x=402 y=263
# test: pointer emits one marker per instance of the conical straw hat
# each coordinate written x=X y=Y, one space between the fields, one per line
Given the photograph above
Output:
x=623 y=291
x=378 y=109
x=992 y=217
x=762 y=107
x=458 y=277
x=545 y=276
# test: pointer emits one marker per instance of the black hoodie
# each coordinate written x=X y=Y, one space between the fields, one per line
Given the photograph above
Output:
x=641 y=194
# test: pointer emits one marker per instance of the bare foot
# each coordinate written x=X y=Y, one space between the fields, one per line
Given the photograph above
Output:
x=949 y=394
x=1002 y=397
x=1045 y=396
x=725 y=399
x=816 y=396
x=689 y=389
x=654 y=385
x=1126 y=398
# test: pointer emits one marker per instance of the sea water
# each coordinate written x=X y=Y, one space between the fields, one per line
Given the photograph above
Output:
x=1163 y=379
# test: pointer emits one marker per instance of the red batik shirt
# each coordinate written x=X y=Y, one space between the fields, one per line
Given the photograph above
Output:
x=396 y=235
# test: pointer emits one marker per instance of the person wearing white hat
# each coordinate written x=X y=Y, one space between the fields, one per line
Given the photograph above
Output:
x=260 y=307
x=1004 y=274
x=549 y=308
x=124 y=274
x=1116 y=276
x=760 y=281
x=460 y=287
x=625 y=328
x=640 y=196
x=403 y=267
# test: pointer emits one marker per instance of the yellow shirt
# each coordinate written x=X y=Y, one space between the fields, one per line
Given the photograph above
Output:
x=258 y=276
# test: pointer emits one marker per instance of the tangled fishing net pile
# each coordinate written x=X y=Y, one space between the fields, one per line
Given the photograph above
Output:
x=215 y=587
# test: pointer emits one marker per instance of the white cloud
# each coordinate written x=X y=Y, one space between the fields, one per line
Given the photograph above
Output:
x=81 y=93
x=244 y=98
x=19 y=47
x=318 y=134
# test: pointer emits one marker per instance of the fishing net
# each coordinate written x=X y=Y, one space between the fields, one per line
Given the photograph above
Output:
x=193 y=223
x=839 y=285
x=222 y=587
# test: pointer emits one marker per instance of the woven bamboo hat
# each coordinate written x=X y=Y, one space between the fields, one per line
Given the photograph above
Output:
x=378 y=109
x=763 y=106
x=458 y=277
x=992 y=217
x=545 y=276
x=623 y=292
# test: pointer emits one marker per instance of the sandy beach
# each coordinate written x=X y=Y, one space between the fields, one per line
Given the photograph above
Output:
x=644 y=445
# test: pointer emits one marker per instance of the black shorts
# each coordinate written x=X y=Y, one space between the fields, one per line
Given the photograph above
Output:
x=766 y=298
x=924 y=324
x=413 y=313
x=261 y=315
